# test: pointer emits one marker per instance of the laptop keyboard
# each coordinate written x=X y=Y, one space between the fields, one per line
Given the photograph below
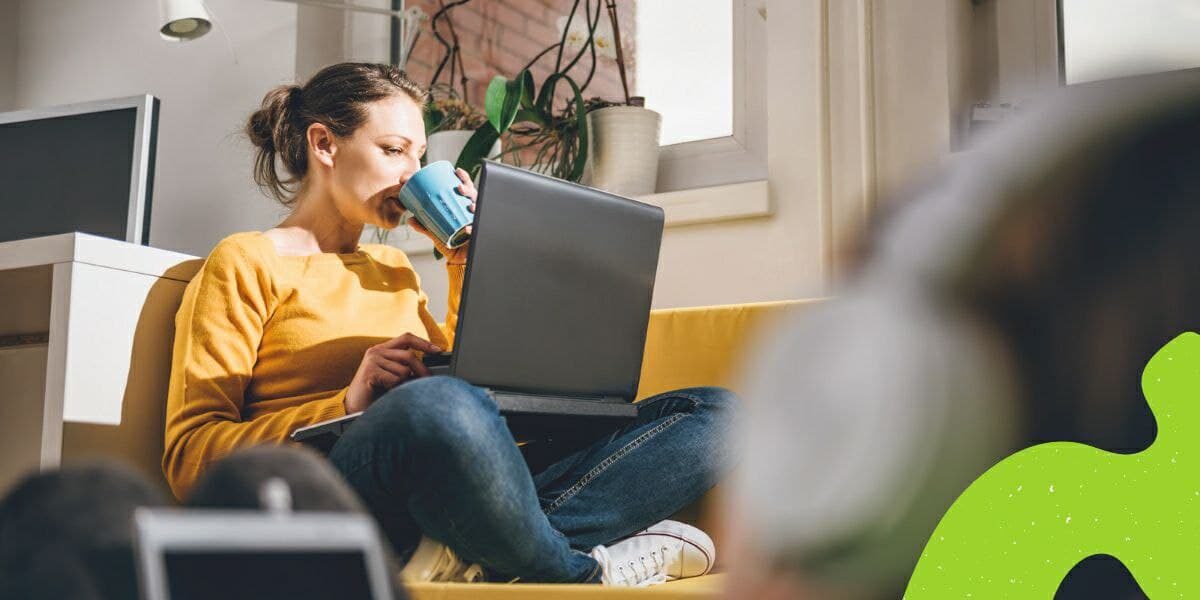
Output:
x=437 y=360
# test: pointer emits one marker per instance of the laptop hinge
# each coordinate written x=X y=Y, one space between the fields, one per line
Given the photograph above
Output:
x=567 y=405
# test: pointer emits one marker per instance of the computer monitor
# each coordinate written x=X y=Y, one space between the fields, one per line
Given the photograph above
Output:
x=186 y=554
x=80 y=167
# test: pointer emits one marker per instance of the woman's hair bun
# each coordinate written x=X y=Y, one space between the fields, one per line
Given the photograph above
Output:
x=265 y=121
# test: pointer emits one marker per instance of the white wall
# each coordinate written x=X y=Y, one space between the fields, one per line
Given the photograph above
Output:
x=78 y=50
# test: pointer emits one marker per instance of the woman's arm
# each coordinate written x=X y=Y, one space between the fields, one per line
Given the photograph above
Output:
x=217 y=333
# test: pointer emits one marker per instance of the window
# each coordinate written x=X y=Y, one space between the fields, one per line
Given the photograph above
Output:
x=1102 y=39
x=735 y=150
x=686 y=41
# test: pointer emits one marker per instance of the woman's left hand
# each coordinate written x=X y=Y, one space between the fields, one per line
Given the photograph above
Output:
x=457 y=256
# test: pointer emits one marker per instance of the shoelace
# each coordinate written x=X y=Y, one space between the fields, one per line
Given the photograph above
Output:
x=640 y=573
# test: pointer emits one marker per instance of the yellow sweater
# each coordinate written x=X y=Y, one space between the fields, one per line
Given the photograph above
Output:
x=265 y=343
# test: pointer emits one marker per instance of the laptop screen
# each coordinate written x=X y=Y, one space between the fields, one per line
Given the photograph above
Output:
x=295 y=575
x=558 y=287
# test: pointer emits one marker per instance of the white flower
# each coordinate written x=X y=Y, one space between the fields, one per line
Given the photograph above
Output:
x=578 y=34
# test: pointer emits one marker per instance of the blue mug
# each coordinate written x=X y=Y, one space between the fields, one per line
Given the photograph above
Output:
x=431 y=195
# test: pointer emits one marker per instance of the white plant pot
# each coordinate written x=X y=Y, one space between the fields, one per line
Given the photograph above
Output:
x=623 y=150
x=447 y=145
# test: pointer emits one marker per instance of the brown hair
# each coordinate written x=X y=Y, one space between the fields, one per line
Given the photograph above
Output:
x=337 y=97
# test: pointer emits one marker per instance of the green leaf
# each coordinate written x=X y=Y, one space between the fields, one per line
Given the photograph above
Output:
x=433 y=120
x=493 y=102
x=503 y=99
x=477 y=148
x=581 y=117
x=545 y=98
x=527 y=93
x=529 y=116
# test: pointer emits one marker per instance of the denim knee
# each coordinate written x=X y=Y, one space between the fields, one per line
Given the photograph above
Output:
x=719 y=409
x=438 y=410
x=716 y=400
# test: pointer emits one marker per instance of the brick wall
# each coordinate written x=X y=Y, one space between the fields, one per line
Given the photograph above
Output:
x=499 y=37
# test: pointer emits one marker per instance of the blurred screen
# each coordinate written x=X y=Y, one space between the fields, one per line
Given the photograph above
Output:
x=264 y=575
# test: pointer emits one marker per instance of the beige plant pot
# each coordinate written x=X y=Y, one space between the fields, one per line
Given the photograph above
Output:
x=447 y=145
x=623 y=150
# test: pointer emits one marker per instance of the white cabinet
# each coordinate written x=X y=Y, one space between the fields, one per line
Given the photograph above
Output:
x=86 y=326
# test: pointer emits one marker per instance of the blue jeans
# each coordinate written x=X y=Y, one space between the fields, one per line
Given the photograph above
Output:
x=433 y=456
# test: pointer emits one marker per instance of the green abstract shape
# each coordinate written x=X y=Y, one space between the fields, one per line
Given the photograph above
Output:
x=1019 y=529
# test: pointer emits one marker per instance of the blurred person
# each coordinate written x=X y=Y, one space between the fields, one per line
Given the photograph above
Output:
x=300 y=324
x=69 y=533
x=1011 y=301
x=237 y=482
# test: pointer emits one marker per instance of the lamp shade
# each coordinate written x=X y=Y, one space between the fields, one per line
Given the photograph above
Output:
x=183 y=20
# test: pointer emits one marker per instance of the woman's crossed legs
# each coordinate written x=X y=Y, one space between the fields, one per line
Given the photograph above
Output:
x=434 y=457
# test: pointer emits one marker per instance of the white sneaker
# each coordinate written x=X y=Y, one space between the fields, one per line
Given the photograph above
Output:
x=435 y=561
x=663 y=552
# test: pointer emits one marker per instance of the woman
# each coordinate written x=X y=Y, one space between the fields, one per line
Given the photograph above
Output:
x=300 y=324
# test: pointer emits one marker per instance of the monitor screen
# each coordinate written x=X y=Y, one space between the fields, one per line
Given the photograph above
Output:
x=89 y=172
x=255 y=575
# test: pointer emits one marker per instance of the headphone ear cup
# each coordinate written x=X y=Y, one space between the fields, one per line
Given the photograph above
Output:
x=868 y=416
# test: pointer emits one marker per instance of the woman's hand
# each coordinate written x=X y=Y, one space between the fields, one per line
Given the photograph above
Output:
x=457 y=256
x=385 y=366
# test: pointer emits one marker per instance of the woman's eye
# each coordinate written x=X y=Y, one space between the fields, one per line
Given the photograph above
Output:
x=394 y=150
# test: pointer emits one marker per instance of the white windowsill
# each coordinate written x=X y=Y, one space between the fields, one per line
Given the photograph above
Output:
x=684 y=207
x=713 y=204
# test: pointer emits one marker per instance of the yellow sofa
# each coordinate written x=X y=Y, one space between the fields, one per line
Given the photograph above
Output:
x=684 y=347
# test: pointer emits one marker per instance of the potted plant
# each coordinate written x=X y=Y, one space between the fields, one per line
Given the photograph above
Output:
x=616 y=148
x=449 y=123
x=624 y=137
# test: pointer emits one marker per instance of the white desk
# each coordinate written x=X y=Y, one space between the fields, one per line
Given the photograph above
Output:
x=86 y=326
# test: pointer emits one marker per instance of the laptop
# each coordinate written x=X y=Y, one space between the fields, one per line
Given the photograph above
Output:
x=234 y=554
x=555 y=301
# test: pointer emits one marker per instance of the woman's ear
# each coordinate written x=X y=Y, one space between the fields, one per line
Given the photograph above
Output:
x=322 y=143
